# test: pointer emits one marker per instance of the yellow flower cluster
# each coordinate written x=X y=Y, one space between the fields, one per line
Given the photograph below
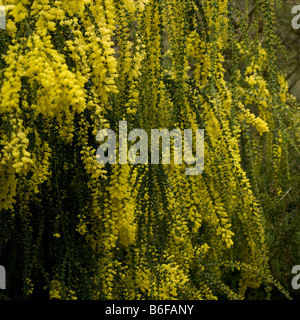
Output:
x=15 y=159
x=151 y=232
x=58 y=292
x=119 y=215
x=199 y=50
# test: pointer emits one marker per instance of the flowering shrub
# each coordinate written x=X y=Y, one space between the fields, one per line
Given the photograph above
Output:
x=74 y=229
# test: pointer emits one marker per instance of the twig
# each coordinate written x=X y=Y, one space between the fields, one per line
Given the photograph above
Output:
x=285 y=194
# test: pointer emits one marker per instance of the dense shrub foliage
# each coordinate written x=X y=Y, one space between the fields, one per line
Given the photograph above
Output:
x=71 y=228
